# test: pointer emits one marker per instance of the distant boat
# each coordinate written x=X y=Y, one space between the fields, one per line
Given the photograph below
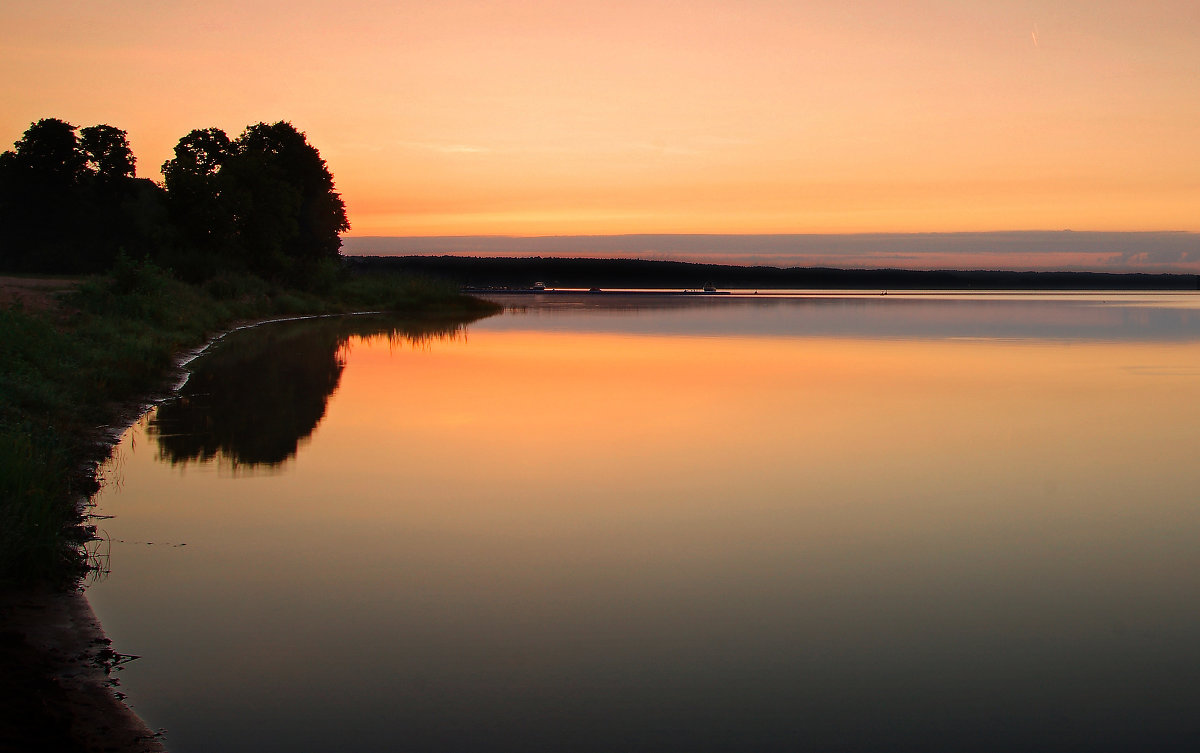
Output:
x=539 y=286
x=710 y=289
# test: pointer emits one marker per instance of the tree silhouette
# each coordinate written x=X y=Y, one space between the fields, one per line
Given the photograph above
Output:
x=195 y=194
x=316 y=215
x=48 y=154
x=107 y=152
x=69 y=202
x=42 y=198
x=265 y=201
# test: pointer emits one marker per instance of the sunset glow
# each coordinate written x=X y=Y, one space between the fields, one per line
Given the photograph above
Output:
x=548 y=118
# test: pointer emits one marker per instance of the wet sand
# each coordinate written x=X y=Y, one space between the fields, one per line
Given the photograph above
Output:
x=59 y=689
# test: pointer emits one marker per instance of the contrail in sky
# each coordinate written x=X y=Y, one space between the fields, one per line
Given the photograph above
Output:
x=1034 y=34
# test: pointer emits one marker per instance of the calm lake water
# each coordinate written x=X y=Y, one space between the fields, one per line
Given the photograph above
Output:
x=770 y=523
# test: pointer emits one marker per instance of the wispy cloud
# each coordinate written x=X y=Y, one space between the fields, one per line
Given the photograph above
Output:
x=445 y=148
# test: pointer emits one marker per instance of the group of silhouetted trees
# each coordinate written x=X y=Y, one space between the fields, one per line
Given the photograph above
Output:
x=265 y=199
x=263 y=202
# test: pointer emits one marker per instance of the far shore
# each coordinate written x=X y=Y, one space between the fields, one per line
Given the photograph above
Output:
x=479 y=272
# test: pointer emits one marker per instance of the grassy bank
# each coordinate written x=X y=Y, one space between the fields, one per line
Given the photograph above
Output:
x=65 y=372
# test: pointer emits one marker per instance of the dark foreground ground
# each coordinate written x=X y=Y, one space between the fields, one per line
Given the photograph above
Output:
x=59 y=677
x=59 y=688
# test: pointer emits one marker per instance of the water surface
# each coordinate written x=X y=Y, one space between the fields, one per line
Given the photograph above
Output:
x=784 y=522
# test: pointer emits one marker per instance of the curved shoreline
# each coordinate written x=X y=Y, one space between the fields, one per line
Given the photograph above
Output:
x=56 y=692
x=59 y=691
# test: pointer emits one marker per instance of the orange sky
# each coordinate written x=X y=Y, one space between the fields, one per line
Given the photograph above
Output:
x=559 y=117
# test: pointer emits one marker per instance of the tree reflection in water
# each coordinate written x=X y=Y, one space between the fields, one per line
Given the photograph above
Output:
x=255 y=397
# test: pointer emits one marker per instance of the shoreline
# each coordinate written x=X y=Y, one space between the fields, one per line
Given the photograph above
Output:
x=53 y=642
x=59 y=691
x=59 y=684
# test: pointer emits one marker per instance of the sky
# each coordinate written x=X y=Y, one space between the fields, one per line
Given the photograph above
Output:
x=470 y=118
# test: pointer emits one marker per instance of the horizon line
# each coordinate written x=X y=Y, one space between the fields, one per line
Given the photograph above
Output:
x=351 y=235
x=1144 y=251
x=819 y=268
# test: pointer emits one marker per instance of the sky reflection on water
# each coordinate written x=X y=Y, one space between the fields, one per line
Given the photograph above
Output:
x=592 y=530
x=253 y=401
x=940 y=314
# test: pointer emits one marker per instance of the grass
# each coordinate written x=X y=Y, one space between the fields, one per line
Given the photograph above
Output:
x=65 y=373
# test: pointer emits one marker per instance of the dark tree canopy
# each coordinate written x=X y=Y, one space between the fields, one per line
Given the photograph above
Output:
x=320 y=217
x=108 y=154
x=265 y=200
x=195 y=197
x=199 y=154
x=48 y=154
x=67 y=204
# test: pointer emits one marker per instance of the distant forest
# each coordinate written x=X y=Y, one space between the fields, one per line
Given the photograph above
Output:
x=523 y=272
x=263 y=202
